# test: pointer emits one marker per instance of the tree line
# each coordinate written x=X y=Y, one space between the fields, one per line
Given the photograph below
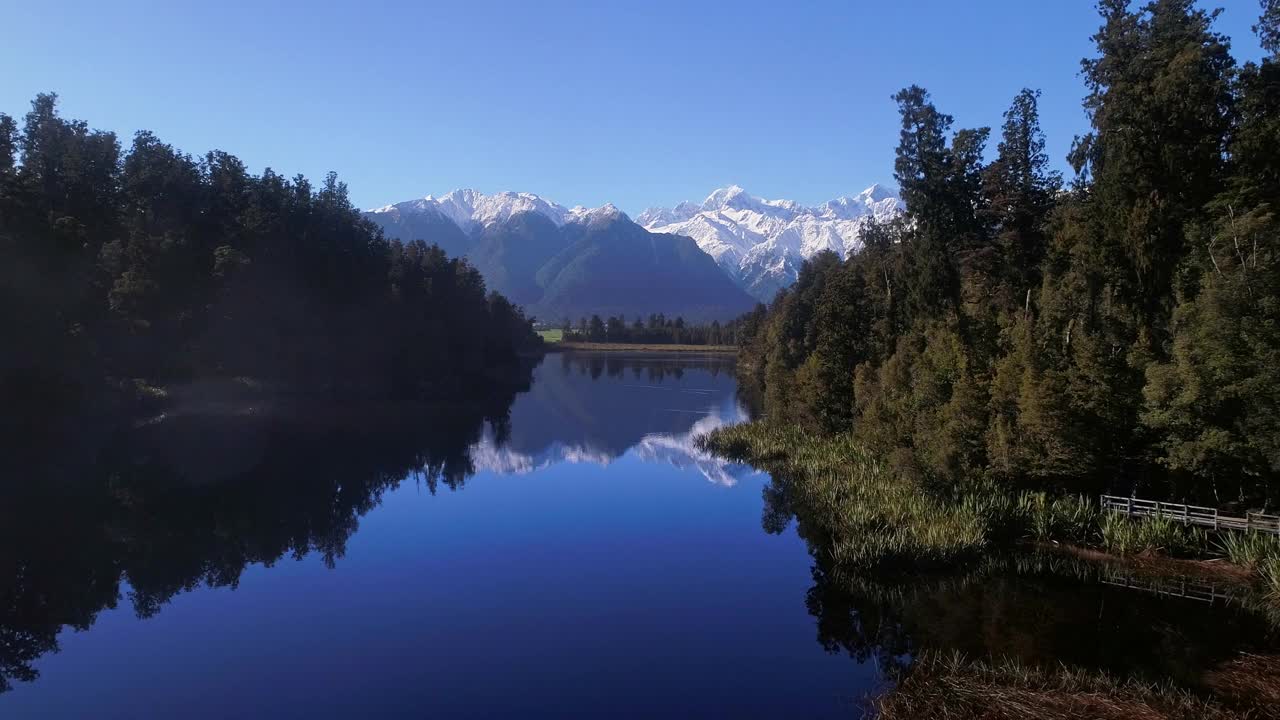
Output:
x=1013 y=326
x=151 y=264
x=658 y=329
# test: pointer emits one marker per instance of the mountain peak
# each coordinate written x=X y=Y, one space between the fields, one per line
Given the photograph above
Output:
x=605 y=213
x=470 y=209
x=723 y=197
x=878 y=192
x=577 y=261
x=760 y=242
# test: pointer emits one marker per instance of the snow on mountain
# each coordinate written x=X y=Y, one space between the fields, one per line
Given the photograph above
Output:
x=604 y=213
x=677 y=449
x=471 y=210
x=761 y=243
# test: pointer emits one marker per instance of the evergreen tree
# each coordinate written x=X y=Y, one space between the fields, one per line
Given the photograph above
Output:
x=1020 y=190
x=1007 y=329
x=153 y=266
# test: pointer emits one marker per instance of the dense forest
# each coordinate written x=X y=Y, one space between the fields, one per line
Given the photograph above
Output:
x=658 y=329
x=1017 y=328
x=121 y=269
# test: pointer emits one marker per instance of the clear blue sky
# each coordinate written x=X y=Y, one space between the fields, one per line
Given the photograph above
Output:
x=582 y=102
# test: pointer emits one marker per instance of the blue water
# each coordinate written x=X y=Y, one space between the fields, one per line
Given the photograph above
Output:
x=593 y=564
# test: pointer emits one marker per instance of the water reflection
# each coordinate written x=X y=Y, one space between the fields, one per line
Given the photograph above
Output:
x=594 y=408
x=674 y=578
x=1039 y=608
x=191 y=498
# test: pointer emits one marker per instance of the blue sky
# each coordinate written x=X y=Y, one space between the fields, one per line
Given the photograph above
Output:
x=637 y=103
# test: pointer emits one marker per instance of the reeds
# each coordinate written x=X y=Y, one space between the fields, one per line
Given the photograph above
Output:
x=1269 y=572
x=875 y=519
x=1124 y=536
x=1249 y=549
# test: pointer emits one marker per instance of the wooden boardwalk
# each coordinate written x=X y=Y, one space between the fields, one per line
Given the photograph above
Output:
x=1192 y=514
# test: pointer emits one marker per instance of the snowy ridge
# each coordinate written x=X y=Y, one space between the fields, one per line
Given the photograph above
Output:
x=471 y=210
x=761 y=243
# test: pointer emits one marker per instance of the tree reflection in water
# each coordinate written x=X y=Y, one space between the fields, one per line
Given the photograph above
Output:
x=1039 y=608
x=193 y=500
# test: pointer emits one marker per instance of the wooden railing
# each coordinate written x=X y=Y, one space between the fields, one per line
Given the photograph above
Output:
x=1191 y=514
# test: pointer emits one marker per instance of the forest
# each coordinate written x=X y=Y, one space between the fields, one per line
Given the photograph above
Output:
x=658 y=329
x=1017 y=329
x=125 y=269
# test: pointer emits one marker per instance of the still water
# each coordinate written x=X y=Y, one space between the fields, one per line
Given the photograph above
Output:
x=587 y=561
x=566 y=552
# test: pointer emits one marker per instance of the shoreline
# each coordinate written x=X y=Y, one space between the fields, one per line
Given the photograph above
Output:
x=827 y=476
x=640 y=347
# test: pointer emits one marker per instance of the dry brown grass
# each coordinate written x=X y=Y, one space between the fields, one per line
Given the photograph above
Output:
x=1216 y=570
x=950 y=687
x=1254 y=679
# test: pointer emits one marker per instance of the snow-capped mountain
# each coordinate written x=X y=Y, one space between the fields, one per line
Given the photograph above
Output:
x=560 y=262
x=472 y=210
x=758 y=244
x=761 y=243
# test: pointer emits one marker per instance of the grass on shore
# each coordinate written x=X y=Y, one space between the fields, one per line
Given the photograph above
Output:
x=952 y=686
x=553 y=335
x=875 y=519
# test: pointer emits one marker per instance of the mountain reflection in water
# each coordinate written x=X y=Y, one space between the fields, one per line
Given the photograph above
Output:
x=585 y=567
x=192 y=498
x=649 y=407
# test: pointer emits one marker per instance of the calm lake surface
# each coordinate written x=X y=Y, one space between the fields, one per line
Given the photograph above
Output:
x=576 y=556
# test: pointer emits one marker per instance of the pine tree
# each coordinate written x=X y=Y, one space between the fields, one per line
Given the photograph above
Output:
x=1161 y=106
x=1020 y=190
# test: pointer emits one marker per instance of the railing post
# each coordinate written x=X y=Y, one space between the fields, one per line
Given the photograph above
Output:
x=1215 y=519
x=1186 y=515
x=1128 y=510
x=1157 y=508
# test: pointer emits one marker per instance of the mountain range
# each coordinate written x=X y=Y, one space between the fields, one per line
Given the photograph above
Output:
x=761 y=243
x=702 y=262
x=562 y=262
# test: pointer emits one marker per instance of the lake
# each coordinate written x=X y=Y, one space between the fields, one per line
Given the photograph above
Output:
x=566 y=553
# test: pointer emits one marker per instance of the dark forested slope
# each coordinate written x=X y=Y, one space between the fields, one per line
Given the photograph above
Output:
x=150 y=264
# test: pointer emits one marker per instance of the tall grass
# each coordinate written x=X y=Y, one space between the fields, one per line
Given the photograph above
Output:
x=1269 y=572
x=1249 y=549
x=878 y=519
x=1125 y=536
x=875 y=519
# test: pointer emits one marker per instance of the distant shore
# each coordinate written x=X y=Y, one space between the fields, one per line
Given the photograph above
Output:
x=639 y=347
